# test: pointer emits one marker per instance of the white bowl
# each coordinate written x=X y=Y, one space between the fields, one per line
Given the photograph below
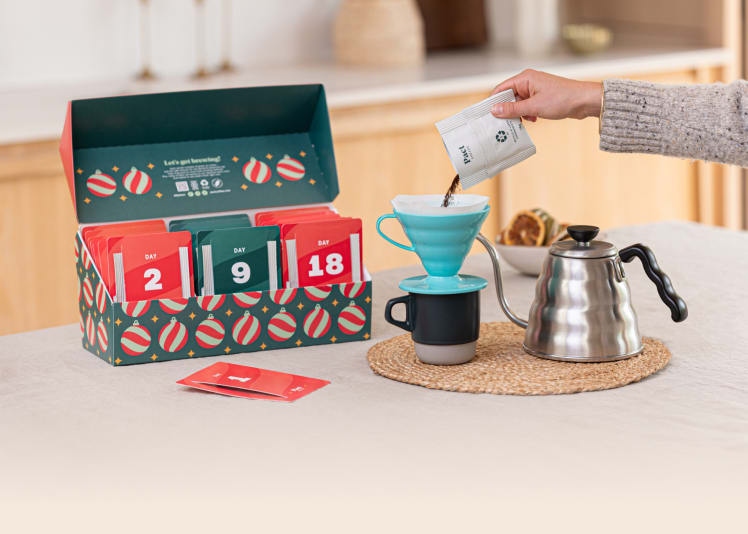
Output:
x=528 y=259
x=525 y=259
x=586 y=38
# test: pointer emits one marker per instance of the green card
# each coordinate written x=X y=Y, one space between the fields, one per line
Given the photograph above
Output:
x=197 y=224
x=232 y=260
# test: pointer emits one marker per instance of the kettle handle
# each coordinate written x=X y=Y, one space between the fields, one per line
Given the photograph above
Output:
x=678 y=309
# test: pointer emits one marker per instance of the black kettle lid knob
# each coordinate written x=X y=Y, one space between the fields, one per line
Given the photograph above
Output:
x=582 y=233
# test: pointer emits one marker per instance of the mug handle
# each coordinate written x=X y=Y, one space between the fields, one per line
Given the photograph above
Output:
x=406 y=324
x=388 y=238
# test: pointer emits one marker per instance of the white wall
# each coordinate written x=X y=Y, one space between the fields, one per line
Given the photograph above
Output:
x=47 y=42
x=53 y=41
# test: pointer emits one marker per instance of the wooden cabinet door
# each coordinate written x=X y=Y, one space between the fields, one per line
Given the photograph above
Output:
x=38 y=284
x=576 y=182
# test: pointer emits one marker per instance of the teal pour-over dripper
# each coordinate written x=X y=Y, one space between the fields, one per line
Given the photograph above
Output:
x=442 y=241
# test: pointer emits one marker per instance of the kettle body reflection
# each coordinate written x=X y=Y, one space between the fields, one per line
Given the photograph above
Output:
x=582 y=309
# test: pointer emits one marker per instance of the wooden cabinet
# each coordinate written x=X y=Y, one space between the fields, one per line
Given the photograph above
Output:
x=387 y=149
x=395 y=149
x=578 y=183
x=381 y=151
x=38 y=285
x=722 y=194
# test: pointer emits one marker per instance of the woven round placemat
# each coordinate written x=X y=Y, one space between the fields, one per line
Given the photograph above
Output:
x=501 y=367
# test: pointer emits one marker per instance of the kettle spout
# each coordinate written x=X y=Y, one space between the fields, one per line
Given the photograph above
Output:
x=497 y=279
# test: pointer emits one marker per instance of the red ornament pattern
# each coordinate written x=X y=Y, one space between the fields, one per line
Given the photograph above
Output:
x=173 y=306
x=256 y=171
x=137 y=182
x=283 y=296
x=136 y=308
x=88 y=292
x=290 y=169
x=282 y=326
x=211 y=302
x=317 y=322
x=210 y=333
x=318 y=293
x=90 y=331
x=86 y=259
x=102 y=335
x=100 y=296
x=247 y=299
x=135 y=340
x=351 y=319
x=246 y=329
x=100 y=184
x=173 y=336
x=352 y=290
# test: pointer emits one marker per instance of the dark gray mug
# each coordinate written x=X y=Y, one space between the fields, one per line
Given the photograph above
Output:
x=444 y=328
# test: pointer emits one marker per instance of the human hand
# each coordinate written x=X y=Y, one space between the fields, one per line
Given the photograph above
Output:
x=544 y=95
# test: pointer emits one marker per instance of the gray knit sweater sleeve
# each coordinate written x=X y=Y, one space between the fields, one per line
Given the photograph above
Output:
x=708 y=121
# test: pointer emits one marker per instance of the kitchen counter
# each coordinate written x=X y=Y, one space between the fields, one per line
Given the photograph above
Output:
x=112 y=449
x=30 y=114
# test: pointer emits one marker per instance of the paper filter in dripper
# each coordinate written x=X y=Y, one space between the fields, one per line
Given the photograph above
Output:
x=432 y=204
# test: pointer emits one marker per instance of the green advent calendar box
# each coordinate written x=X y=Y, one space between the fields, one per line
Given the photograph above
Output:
x=176 y=156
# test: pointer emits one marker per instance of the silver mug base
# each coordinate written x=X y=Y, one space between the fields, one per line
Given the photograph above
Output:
x=445 y=354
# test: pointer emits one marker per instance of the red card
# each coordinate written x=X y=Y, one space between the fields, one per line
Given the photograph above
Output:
x=96 y=239
x=252 y=383
x=287 y=219
x=153 y=266
x=322 y=252
x=151 y=225
x=271 y=217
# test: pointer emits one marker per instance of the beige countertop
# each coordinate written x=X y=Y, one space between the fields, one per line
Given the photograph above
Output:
x=98 y=448
x=37 y=113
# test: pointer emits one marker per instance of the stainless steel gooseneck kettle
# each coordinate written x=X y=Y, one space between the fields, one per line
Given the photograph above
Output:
x=582 y=308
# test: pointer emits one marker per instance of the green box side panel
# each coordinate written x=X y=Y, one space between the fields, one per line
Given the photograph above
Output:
x=94 y=306
x=160 y=330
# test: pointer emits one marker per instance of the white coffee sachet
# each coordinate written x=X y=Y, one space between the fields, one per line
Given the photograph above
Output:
x=481 y=145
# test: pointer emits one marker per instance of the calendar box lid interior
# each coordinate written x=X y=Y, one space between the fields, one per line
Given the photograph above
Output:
x=189 y=153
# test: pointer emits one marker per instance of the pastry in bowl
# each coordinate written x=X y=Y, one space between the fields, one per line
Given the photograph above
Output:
x=525 y=241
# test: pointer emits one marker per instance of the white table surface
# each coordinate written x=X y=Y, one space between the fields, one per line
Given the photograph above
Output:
x=89 y=447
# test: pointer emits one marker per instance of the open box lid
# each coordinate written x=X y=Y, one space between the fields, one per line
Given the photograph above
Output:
x=187 y=153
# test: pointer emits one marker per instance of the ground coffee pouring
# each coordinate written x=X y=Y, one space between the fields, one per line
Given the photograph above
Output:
x=582 y=308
